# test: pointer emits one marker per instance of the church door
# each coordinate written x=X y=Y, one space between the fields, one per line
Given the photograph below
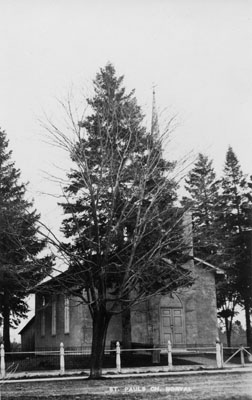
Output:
x=172 y=325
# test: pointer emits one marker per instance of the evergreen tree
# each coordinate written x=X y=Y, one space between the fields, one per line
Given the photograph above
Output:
x=20 y=267
x=125 y=235
x=245 y=282
x=222 y=232
x=203 y=187
x=208 y=232
x=234 y=233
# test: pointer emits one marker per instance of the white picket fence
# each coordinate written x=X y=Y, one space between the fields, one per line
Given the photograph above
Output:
x=217 y=353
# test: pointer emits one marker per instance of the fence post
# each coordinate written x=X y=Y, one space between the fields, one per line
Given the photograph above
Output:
x=219 y=353
x=222 y=355
x=155 y=356
x=242 y=357
x=2 y=368
x=169 y=354
x=118 y=357
x=62 y=359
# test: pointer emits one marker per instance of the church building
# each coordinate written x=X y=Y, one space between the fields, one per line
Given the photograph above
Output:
x=187 y=317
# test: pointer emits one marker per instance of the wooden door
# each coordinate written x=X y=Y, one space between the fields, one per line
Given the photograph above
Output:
x=172 y=326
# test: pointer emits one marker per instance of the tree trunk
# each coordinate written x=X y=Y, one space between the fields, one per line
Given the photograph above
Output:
x=100 y=325
x=126 y=329
x=228 y=325
x=248 y=323
x=6 y=320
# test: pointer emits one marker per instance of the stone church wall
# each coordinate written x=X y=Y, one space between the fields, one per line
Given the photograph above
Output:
x=72 y=339
x=80 y=325
x=206 y=306
x=197 y=305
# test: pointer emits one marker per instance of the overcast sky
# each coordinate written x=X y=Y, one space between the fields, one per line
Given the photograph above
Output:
x=198 y=54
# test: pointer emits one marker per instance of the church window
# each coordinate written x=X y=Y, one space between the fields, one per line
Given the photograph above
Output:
x=54 y=316
x=43 y=317
x=66 y=315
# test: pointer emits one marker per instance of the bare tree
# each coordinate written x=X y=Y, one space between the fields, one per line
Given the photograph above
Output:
x=125 y=238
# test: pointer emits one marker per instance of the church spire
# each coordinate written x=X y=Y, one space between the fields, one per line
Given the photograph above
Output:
x=154 y=117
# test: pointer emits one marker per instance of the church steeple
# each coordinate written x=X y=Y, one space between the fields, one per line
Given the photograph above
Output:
x=154 y=117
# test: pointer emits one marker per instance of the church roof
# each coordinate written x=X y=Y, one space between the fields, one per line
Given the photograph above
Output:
x=206 y=263
x=28 y=325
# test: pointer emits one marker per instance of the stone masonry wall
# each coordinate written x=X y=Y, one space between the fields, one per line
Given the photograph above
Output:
x=199 y=315
x=199 y=312
x=72 y=339
x=206 y=306
x=80 y=325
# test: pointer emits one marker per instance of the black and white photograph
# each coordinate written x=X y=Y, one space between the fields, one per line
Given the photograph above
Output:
x=126 y=199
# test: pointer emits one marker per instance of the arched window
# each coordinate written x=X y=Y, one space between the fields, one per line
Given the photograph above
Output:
x=54 y=315
x=66 y=315
x=42 y=325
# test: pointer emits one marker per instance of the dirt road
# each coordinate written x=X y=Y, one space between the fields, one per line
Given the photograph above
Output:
x=196 y=387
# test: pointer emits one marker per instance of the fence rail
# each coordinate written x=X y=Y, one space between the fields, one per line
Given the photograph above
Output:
x=118 y=358
x=242 y=351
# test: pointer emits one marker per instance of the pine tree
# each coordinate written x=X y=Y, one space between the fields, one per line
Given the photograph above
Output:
x=125 y=235
x=203 y=187
x=209 y=232
x=245 y=282
x=20 y=267
x=234 y=226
